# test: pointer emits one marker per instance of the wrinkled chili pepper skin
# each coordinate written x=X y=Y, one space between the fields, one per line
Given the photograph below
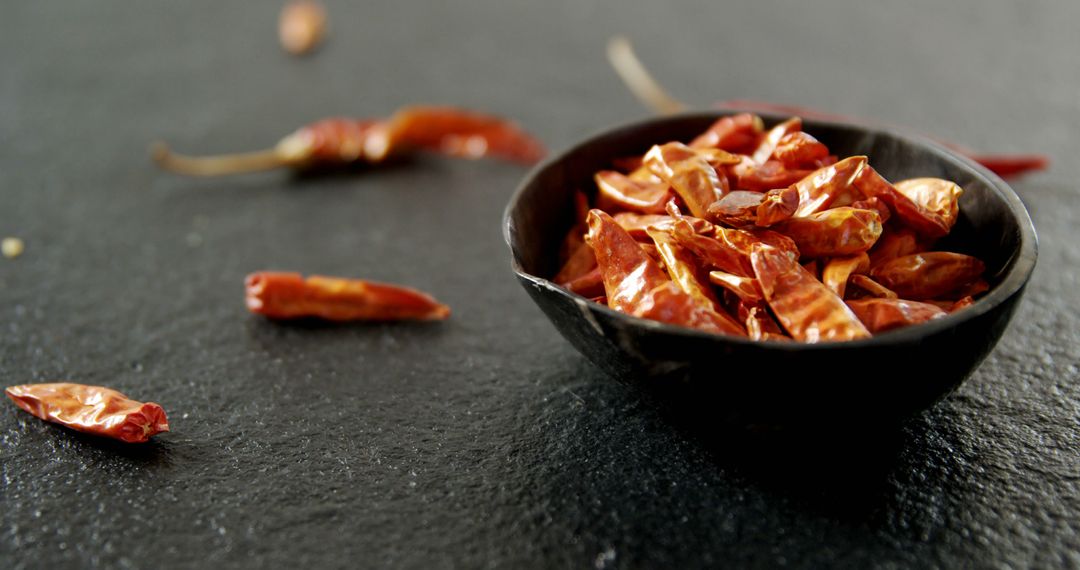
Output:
x=670 y=304
x=928 y=275
x=735 y=133
x=628 y=272
x=834 y=232
x=839 y=269
x=749 y=175
x=291 y=296
x=926 y=223
x=688 y=173
x=777 y=205
x=736 y=208
x=826 y=185
x=880 y=315
x=91 y=409
x=455 y=132
x=808 y=310
x=623 y=193
x=873 y=288
x=637 y=224
x=772 y=139
x=941 y=198
x=800 y=150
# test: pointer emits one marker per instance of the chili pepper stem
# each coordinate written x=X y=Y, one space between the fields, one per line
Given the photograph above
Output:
x=217 y=165
x=638 y=79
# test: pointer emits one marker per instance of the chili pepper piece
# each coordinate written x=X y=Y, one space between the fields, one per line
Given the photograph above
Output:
x=839 y=269
x=759 y=324
x=745 y=288
x=821 y=188
x=629 y=273
x=873 y=288
x=807 y=310
x=836 y=232
x=961 y=303
x=1009 y=165
x=91 y=409
x=749 y=175
x=669 y=304
x=621 y=192
x=896 y=241
x=880 y=315
x=926 y=223
x=737 y=208
x=454 y=132
x=777 y=205
x=301 y=26
x=682 y=269
x=590 y=284
x=938 y=197
x=800 y=150
x=581 y=262
x=928 y=275
x=874 y=204
x=291 y=296
x=772 y=139
x=729 y=249
x=736 y=133
x=688 y=173
x=637 y=224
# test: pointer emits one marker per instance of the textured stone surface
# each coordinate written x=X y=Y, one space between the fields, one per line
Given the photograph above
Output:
x=485 y=440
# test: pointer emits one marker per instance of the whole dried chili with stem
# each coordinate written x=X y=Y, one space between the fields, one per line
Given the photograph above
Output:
x=338 y=141
x=638 y=79
x=91 y=409
x=839 y=253
x=290 y=296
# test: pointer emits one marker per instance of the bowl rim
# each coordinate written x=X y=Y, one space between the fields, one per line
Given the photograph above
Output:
x=1023 y=260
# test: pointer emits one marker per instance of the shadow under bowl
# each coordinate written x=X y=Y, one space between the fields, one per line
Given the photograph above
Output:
x=739 y=381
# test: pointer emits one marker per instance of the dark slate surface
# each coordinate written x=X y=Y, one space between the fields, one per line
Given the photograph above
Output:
x=485 y=440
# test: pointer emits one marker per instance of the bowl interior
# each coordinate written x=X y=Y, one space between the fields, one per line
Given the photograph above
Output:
x=992 y=226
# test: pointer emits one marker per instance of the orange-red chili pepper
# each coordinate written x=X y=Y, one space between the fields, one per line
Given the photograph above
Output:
x=928 y=275
x=688 y=173
x=446 y=130
x=885 y=314
x=291 y=296
x=91 y=409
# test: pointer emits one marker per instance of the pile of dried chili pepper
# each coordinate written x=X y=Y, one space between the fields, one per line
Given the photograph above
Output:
x=766 y=234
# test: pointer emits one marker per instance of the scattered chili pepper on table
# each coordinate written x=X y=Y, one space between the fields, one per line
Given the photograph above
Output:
x=301 y=26
x=291 y=296
x=338 y=141
x=638 y=79
x=834 y=252
x=91 y=409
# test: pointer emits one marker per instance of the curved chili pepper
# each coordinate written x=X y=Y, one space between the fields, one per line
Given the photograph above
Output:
x=749 y=175
x=729 y=249
x=629 y=273
x=835 y=232
x=777 y=205
x=873 y=288
x=828 y=184
x=688 y=173
x=681 y=268
x=880 y=315
x=736 y=133
x=923 y=221
x=447 y=130
x=91 y=409
x=938 y=197
x=839 y=269
x=291 y=296
x=800 y=150
x=808 y=310
x=670 y=304
x=589 y=284
x=637 y=224
x=620 y=192
x=745 y=288
x=736 y=208
x=772 y=139
x=928 y=275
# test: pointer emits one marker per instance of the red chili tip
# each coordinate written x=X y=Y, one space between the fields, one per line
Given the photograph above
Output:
x=1009 y=165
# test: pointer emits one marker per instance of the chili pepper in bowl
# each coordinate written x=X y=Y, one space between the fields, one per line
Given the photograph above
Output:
x=338 y=141
x=91 y=409
x=291 y=296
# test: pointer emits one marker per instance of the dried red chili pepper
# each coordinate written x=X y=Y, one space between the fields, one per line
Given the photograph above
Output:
x=291 y=296
x=91 y=409
x=880 y=315
x=834 y=232
x=446 y=130
x=928 y=275
x=619 y=191
x=688 y=173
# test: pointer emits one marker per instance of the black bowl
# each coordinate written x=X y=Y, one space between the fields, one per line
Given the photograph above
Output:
x=886 y=377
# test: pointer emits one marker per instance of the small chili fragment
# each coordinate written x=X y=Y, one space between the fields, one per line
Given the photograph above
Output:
x=446 y=130
x=290 y=296
x=91 y=409
x=301 y=26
